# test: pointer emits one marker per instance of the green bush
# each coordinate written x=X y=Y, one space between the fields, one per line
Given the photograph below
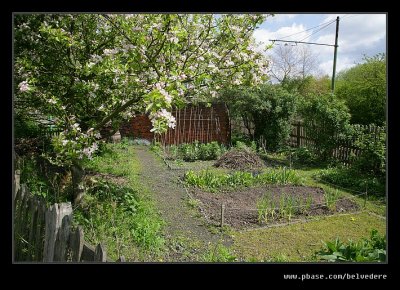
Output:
x=326 y=120
x=367 y=250
x=373 y=155
x=304 y=155
x=269 y=107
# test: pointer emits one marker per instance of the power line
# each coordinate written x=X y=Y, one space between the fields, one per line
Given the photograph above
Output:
x=315 y=32
x=328 y=22
x=295 y=41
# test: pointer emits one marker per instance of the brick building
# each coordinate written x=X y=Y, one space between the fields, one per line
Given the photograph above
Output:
x=194 y=122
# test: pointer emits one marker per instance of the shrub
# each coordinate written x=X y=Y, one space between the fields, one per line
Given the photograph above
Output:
x=373 y=155
x=304 y=155
x=326 y=121
x=269 y=107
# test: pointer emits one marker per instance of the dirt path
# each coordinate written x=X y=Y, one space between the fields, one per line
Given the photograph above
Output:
x=171 y=200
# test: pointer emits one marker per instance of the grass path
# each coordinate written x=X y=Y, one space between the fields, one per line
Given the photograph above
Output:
x=186 y=231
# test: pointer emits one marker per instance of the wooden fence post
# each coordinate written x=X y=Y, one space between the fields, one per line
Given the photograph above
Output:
x=17 y=178
x=76 y=244
x=222 y=214
x=298 y=133
x=54 y=218
x=100 y=254
x=62 y=240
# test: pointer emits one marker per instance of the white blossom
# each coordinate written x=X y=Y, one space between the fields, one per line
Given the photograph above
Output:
x=23 y=86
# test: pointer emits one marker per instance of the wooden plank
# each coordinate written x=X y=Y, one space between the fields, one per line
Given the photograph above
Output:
x=54 y=217
x=88 y=253
x=100 y=254
x=17 y=179
x=20 y=221
x=39 y=243
x=32 y=228
x=62 y=240
x=298 y=134
x=77 y=243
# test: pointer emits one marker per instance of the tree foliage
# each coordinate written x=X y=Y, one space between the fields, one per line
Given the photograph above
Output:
x=88 y=70
x=326 y=121
x=363 y=88
x=308 y=86
x=269 y=107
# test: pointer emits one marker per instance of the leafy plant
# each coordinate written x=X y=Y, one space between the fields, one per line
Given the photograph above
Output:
x=304 y=155
x=266 y=208
x=366 y=250
x=214 y=180
x=219 y=253
x=331 y=196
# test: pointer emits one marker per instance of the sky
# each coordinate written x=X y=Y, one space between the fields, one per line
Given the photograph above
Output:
x=359 y=34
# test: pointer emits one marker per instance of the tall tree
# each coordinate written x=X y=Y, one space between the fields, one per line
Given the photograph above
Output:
x=292 y=61
x=363 y=88
x=91 y=70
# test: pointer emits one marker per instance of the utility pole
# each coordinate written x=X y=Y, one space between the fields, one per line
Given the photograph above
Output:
x=314 y=43
x=335 y=55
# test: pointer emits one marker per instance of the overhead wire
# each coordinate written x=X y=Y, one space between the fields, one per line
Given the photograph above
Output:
x=331 y=21
x=318 y=30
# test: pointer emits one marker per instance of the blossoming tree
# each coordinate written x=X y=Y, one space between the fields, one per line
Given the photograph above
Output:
x=89 y=71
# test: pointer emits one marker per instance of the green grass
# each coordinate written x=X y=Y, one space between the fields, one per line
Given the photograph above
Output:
x=124 y=218
x=299 y=242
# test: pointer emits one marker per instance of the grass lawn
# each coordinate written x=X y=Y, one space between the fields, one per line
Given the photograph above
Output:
x=298 y=242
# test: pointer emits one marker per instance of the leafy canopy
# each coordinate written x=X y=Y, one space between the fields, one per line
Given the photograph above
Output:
x=88 y=71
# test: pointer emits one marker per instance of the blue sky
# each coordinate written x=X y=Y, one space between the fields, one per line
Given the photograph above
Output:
x=359 y=34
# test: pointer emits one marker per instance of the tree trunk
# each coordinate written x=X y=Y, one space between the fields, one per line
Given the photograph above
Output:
x=77 y=183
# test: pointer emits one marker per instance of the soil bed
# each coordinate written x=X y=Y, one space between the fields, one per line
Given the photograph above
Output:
x=241 y=206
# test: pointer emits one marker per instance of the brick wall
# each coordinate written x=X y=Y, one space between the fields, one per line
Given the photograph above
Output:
x=137 y=127
x=201 y=123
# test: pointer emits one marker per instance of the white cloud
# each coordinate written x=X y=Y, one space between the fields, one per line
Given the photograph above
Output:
x=358 y=34
x=327 y=66
x=263 y=35
x=277 y=18
x=358 y=31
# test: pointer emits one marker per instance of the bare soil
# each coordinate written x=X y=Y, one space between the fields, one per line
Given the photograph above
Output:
x=241 y=206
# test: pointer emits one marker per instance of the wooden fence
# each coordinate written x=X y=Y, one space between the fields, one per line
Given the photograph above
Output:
x=45 y=234
x=301 y=137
